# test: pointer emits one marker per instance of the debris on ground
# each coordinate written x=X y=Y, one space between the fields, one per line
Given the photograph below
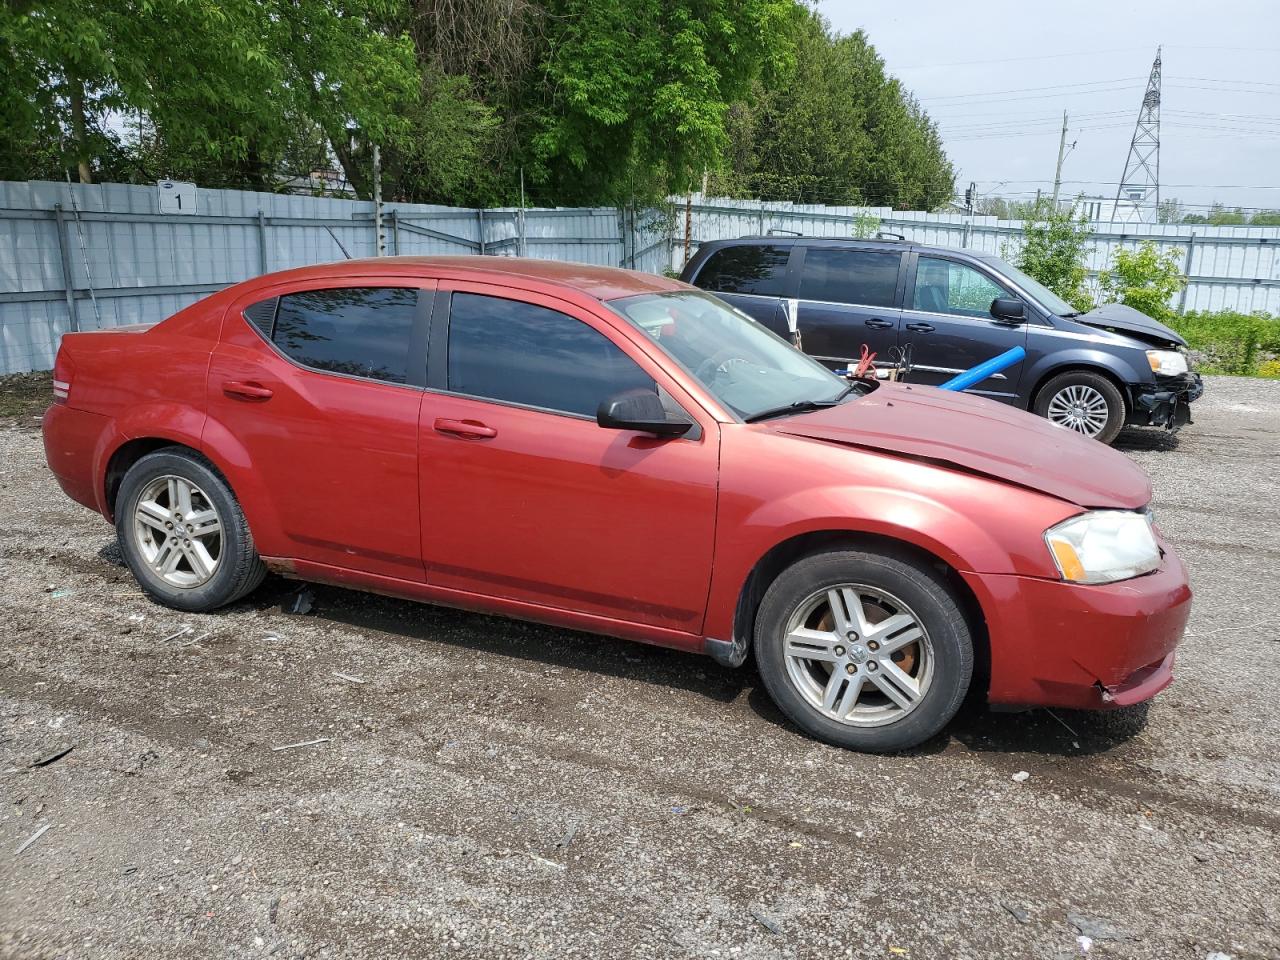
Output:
x=549 y=863
x=347 y=677
x=1095 y=929
x=176 y=634
x=52 y=758
x=32 y=839
x=766 y=921
x=1021 y=776
x=569 y=834
x=302 y=743
x=300 y=603
x=1018 y=913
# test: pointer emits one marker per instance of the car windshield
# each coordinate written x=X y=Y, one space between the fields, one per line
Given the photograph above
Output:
x=1046 y=297
x=745 y=366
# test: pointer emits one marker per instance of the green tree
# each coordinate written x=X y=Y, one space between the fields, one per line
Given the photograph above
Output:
x=835 y=128
x=1144 y=279
x=1053 y=251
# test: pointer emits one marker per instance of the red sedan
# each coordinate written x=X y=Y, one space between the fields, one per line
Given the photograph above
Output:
x=624 y=454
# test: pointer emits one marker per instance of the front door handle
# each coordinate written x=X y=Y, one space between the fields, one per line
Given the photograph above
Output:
x=920 y=327
x=878 y=323
x=246 y=390
x=466 y=429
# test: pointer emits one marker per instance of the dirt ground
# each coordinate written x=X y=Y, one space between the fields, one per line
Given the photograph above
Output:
x=492 y=789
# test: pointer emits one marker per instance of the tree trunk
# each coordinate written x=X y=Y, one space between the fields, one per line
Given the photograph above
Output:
x=350 y=164
x=78 y=132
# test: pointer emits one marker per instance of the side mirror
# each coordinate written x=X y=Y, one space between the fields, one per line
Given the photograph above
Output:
x=639 y=410
x=1009 y=310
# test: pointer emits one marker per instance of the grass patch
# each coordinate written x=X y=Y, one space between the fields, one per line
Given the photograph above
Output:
x=1243 y=344
x=25 y=395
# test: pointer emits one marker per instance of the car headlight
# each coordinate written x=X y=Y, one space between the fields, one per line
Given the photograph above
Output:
x=1168 y=363
x=1103 y=546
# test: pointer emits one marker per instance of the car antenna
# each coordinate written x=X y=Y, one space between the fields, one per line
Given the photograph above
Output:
x=886 y=235
x=337 y=241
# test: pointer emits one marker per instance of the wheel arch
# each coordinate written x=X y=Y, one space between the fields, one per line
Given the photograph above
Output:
x=789 y=551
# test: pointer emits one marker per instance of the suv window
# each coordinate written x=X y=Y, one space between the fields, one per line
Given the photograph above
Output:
x=944 y=286
x=362 y=331
x=534 y=356
x=850 y=276
x=754 y=269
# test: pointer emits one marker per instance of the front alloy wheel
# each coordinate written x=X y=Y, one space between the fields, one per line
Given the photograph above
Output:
x=1083 y=401
x=859 y=655
x=868 y=651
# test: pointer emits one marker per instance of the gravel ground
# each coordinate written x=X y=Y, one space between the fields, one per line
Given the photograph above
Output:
x=497 y=789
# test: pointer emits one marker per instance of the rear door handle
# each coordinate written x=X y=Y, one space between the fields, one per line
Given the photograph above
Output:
x=878 y=323
x=246 y=390
x=920 y=327
x=466 y=429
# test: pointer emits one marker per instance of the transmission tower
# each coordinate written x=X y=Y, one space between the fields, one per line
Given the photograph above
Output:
x=1140 y=185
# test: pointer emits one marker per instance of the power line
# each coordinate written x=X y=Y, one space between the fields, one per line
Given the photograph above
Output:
x=1056 y=86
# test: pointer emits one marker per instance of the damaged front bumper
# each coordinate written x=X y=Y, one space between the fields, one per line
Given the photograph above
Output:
x=1167 y=403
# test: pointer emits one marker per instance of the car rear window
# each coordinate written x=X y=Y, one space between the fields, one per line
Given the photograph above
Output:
x=750 y=268
x=850 y=276
x=530 y=355
x=361 y=331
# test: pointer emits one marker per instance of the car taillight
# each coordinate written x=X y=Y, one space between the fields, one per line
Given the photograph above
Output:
x=61 y=377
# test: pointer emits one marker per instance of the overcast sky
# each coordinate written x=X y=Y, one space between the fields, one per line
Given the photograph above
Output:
x=996 y=75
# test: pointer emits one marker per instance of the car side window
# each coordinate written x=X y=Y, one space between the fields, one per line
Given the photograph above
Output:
x=756 y=269
x=361 y=331
x=944 y=286
x=862 y=277
x=531 y=355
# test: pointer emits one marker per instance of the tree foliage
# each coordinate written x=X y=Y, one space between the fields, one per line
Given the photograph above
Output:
x=591 y=100
x=835 y=128
x=1055 y=244
x=1144 y=279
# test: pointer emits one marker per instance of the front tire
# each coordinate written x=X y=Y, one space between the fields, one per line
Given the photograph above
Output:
x=1085 y=402
x=864 y=651
x=182 y=533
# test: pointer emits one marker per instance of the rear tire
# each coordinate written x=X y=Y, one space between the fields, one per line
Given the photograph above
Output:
x=864 y=651
x=183 y=534
x=1085 y=402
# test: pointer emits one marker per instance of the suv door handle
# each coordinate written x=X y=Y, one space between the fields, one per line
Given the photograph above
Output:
x=466 y=429
x=878 y=323
x=920 y=327
x=246 y=390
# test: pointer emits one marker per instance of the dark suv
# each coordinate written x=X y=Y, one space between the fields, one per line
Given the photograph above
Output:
x=953 y=309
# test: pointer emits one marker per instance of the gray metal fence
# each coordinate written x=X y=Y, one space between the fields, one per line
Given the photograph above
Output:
x=95 y=256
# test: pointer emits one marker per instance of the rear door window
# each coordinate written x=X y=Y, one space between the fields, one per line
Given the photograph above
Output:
x=863 y=277
x=526 y=354
x=756 y=269
x=359 y=331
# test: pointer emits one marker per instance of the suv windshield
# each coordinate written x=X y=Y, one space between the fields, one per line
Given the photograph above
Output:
x=1047 y=298
x=745 y=366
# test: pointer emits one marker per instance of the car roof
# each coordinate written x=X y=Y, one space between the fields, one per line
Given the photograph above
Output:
x=600 y=283
x=885 y=243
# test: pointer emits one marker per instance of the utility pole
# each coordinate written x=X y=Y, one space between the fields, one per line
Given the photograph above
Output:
x=1062 y=154
x=381 y=237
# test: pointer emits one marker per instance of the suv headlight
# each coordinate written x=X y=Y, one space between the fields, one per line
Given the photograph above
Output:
x=1167 y=363
x=1103 y=546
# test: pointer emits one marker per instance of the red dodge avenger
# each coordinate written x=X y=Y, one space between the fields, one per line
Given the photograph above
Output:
x=621 y=453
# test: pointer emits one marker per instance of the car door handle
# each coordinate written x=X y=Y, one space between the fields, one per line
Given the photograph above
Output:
x=466 y=429
x=878 y=323
x=920 y=327
x=246 y=390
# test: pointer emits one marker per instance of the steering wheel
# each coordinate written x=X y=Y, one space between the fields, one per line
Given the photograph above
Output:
x=718 y=363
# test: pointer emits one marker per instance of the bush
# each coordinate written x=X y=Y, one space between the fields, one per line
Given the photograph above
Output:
x=1231 y=342
x=1144 y=279
x=1053 y=252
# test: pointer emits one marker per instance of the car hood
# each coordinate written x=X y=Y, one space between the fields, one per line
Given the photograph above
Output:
x=978 y=436
x=1118 y=317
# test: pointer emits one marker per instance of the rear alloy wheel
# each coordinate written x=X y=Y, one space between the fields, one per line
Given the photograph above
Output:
x=182 y=533
x=1087 y=403
x=864 y=651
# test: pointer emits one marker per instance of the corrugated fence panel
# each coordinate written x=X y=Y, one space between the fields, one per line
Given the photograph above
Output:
x=128 y=263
